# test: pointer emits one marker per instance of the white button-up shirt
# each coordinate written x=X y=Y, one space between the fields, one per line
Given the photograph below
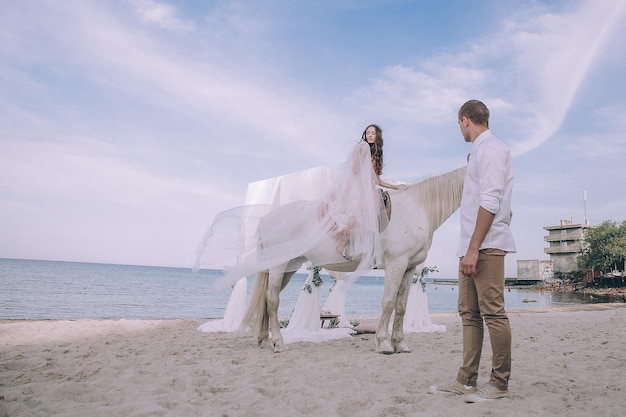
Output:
x=488 y=183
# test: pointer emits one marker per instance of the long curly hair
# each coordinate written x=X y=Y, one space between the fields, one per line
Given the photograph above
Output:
x=376 y=148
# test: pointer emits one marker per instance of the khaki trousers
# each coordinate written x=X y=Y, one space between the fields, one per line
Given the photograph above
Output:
x=481 y=298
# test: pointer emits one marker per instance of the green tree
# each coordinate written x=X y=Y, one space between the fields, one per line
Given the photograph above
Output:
x=618 y=246
x=605 y=247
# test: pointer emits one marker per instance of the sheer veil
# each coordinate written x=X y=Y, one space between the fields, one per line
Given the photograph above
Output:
x=312 y=214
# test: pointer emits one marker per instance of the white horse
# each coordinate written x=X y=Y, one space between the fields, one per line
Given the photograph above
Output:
x=417 y=212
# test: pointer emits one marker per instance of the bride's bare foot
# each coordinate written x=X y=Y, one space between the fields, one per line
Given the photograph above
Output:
x=345 y=252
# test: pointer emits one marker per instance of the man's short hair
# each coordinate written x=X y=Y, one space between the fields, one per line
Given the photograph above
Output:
x=476 y=111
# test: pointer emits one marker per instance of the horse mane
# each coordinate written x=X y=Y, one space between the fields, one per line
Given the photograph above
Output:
x=439 y=195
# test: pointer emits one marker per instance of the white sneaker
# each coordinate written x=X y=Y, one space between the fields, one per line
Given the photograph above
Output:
x=487 y=393
x=452 y=388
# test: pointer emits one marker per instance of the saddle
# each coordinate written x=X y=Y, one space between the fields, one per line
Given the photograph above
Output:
x=384 y=195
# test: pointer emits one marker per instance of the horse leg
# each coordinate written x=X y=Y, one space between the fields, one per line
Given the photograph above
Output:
x=383 y=343
x=264 y=331
x=256 y=314
x=274 y=286
x=397 y=334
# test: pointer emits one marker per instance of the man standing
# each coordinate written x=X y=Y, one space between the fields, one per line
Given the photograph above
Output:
x=485 y=239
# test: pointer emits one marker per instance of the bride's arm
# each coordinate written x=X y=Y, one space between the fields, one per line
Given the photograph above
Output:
x=385 y=184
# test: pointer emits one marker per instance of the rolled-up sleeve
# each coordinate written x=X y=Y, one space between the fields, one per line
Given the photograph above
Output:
x=493 y=167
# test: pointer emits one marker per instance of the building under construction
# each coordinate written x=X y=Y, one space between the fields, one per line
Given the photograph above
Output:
x=565 y=243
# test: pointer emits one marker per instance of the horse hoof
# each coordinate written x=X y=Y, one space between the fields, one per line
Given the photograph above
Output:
x=403 y=348
x=385 y=348
x=278 y=349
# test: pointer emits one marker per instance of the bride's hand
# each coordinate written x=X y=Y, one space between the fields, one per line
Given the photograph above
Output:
x=322 y=211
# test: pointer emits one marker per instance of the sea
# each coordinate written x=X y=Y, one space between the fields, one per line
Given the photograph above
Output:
x=55 y=290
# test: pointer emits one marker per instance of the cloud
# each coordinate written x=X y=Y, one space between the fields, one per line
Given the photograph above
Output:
x=539 y=58
x=421 y=97
x=95 y=172
x=556 y=52
x=162 y=15
x=114 y=61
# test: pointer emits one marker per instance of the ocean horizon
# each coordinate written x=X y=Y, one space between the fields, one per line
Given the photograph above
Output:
x=63 y=290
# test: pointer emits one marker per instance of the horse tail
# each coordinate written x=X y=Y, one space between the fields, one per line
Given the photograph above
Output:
x=258 y=305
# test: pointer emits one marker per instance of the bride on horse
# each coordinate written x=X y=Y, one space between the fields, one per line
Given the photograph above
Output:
x=355 y=205
x=351 y=211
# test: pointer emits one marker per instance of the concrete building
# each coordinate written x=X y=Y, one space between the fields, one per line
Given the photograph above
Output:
x=566 y=242
x=533 y=271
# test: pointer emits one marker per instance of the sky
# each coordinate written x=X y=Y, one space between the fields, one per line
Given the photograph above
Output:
x=126 y=126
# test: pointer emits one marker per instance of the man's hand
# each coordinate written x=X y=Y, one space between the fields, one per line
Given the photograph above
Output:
x=468 y=263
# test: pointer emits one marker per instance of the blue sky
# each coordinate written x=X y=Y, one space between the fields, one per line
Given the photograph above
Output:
x=125 y=126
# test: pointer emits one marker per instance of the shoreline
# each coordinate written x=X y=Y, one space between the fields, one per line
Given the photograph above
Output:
x=564 y=309
x=566 y=361
x=575 y=288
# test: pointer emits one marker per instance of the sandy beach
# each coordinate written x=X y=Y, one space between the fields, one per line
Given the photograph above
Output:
x=567 y=362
